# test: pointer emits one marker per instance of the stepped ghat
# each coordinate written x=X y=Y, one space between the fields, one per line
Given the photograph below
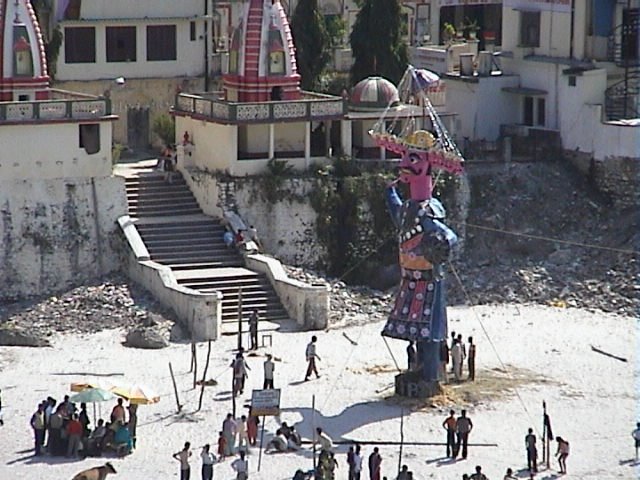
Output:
x=177 y=252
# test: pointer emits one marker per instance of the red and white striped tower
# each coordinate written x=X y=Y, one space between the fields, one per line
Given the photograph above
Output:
x=23 y=63
x=262 y=57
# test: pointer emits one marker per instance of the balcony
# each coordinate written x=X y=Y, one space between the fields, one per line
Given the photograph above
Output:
x=211 y=106
x=61 y=106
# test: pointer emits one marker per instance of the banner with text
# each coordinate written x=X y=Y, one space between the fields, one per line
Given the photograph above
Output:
x=265 y=402
x=562 y=6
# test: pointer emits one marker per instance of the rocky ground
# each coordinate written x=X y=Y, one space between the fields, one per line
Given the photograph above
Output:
x=498 y=265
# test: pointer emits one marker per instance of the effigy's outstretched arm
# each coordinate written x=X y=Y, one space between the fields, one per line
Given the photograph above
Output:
x=439 y=241
x=394 y=204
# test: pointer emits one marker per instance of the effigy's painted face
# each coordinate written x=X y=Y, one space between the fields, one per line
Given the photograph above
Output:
x=414 y=167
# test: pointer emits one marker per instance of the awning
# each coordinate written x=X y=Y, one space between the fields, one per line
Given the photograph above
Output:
x=531 y=92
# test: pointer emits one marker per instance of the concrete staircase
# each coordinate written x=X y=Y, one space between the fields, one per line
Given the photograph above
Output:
x=177 y=234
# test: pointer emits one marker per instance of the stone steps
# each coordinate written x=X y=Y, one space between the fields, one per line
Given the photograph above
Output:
x=177 y=234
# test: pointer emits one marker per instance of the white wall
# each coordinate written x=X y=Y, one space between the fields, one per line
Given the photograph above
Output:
x=140 y=8
x=214 y=144
x=189 y=54
x=482 y=107
x=555 y=28
x=289 y=136
x=57 y=232
x=48 y=151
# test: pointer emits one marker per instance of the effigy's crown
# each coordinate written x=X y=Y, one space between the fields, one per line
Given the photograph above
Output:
x=420 y=140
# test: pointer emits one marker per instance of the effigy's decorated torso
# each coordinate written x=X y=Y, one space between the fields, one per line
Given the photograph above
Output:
x=425 y=244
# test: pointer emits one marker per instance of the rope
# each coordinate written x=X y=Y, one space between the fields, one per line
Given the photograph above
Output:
x=391 y=353
x=493 y=347
x=550 y=239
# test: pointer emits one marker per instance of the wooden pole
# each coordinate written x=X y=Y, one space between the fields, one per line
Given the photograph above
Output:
x=175 y=388
x=194 y=354
x=544 y=431
x=204 y=375
x=233 y=393
x=240 y=319
x=401 y=439
x=313 y=427
x=261 y=443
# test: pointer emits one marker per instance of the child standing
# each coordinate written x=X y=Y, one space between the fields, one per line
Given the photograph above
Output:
x=222 y=445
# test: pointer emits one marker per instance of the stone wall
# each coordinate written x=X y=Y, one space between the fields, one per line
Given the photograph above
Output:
x=156 y=93
x=617 y=177
x=283 y=212
x=57 y=233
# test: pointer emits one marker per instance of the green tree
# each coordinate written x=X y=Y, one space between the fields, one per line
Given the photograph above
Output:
x=376 y=41
x=312 y=42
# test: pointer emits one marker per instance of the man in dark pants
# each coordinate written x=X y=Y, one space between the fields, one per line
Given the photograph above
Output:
x=471 y=359
x=253 y=330
x=311 y=356
x=464 y=425
x=38 y=423
x=449 y=425
x=532 y=451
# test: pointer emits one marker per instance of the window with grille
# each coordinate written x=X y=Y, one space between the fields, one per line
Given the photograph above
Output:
x=79 y=45
x=161 y=43
x=121 y=44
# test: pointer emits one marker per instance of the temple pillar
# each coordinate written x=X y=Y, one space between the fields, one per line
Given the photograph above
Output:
x=272 y=141
x=345 y=137
x=307 y=144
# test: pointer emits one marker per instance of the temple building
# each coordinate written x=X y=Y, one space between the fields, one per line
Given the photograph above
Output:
x=56 y=188
x=261 y=112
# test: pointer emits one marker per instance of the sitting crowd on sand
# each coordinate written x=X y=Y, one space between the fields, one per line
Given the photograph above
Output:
x=62 y=429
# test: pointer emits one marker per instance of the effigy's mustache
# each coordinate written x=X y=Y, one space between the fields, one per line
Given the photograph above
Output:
x=409 y=169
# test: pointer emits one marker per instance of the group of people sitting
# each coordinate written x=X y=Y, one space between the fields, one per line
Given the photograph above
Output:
x=62 y=429
x=285 y=440
x=241 y=237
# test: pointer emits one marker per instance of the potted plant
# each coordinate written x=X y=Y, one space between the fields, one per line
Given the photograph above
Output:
x=472 y=28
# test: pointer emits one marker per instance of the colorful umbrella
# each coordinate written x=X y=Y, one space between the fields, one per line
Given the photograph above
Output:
x=138 y=394
x=92 y=395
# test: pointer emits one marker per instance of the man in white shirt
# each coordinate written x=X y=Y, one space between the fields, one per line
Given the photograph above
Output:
x=324 y=440
x=269 y=367
x=241 y=466
x=311 y=355
x=357 y=463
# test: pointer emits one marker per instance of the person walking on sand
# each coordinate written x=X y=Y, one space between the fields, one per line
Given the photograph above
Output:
x=562 y=453
x=208 y=459
x=375 y=464
x=312 y=356
x=1 y=419
x=449 y=425
x=253 y=330
x=532 y=451
x=636 y=437
x=240 y=368
x=269 y=368
x=243 y=435
x=241 y=466
x=229 y=430
x=464 y=425
x=471 y=360
x=183 y=457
